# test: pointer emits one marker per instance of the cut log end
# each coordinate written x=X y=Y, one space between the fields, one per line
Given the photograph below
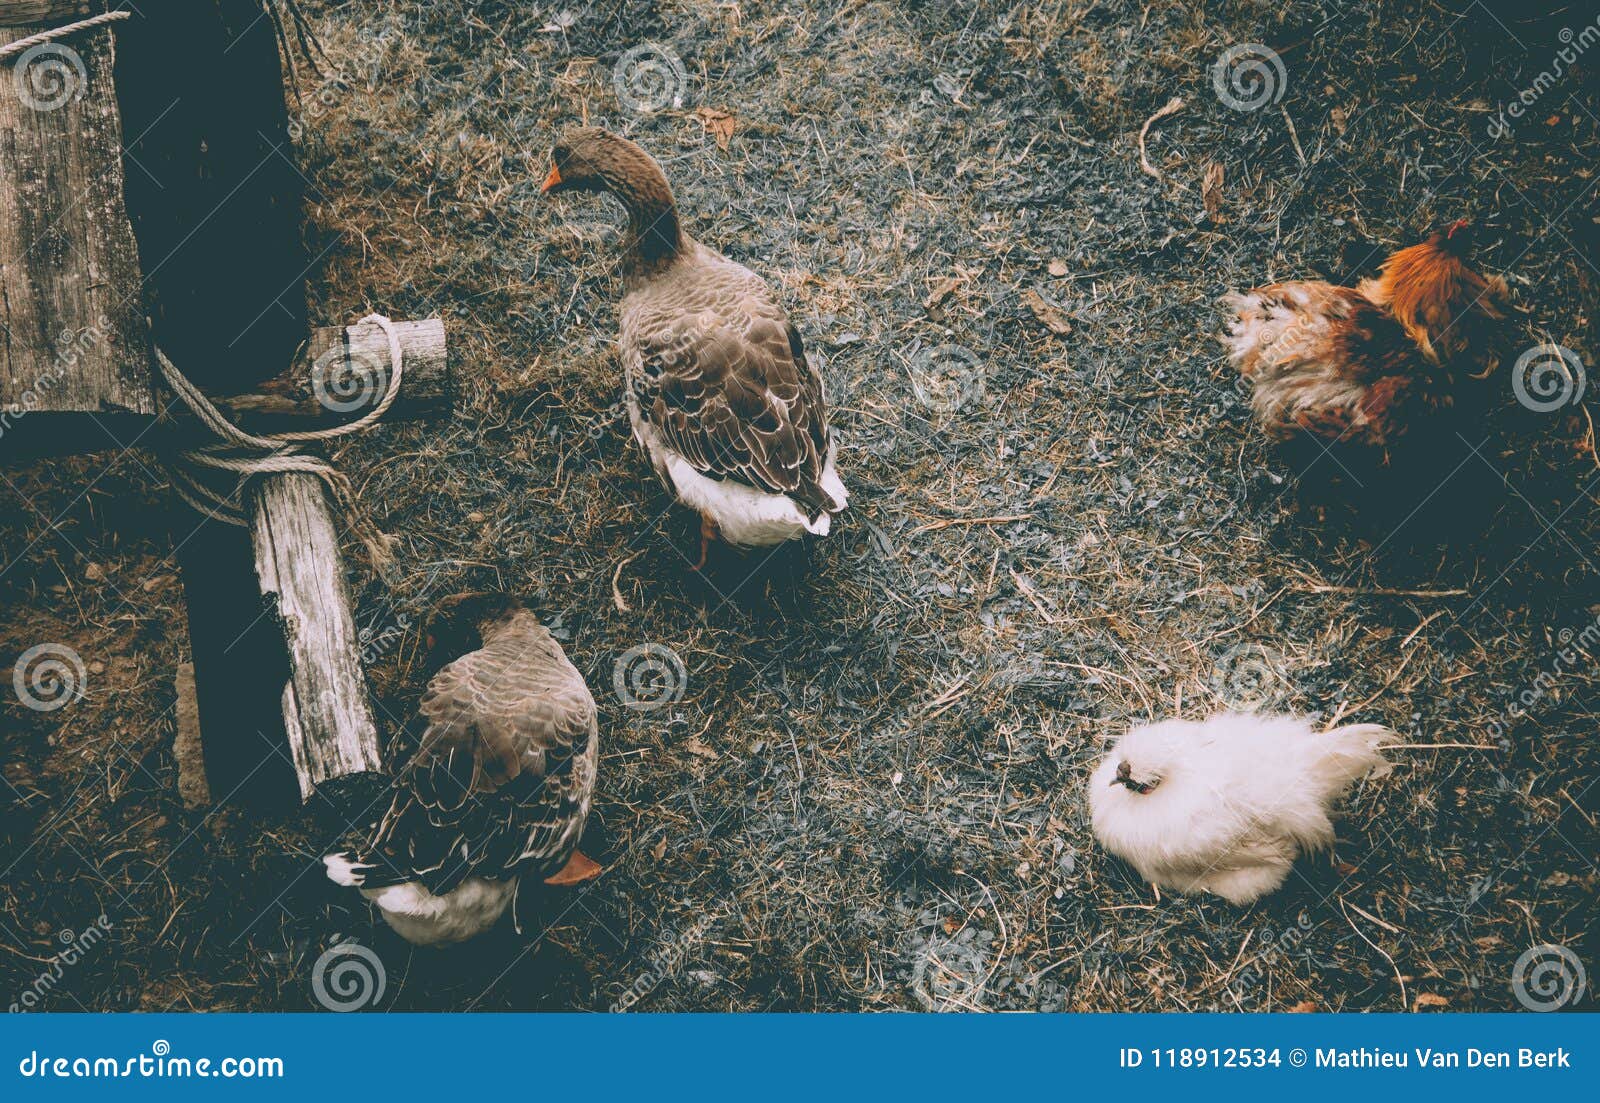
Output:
x=343 y=372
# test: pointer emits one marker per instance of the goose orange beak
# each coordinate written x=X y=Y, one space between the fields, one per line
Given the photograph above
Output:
x=551 y=182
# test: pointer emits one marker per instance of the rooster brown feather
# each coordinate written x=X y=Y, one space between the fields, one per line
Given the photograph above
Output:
x=1364 y=365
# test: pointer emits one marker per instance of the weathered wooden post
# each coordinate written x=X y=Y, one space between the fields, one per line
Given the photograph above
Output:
x=214 y=259
x=75 y=359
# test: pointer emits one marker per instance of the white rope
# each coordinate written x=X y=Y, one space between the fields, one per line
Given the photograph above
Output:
x=245 y=455
x=241 y=454
x=50 y=34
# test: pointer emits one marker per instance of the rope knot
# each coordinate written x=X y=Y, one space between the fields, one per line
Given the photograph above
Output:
x=246 y=455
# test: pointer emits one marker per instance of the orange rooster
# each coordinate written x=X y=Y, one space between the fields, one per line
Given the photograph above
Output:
x=1363 y=365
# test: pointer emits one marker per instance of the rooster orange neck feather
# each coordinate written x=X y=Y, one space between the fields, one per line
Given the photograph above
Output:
x=1425 y=288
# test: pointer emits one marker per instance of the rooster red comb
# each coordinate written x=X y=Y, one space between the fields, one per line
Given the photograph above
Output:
x=1458 y=224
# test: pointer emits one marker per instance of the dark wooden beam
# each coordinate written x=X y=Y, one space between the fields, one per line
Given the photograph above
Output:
x=214 y=197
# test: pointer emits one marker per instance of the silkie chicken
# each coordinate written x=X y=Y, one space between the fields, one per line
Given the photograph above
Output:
x=1365 y=365
x=1225 y=805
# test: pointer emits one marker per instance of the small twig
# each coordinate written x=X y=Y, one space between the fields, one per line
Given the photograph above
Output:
x=1027 y=592
x=933 y=526
x=1405 y=1001
x=1358 y=591
x=616 y=594
x=1365 y=914
x=1173 y=106
x=1439 y=747
x=1294 y=136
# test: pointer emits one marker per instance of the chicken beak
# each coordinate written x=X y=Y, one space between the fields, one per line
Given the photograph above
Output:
x=552 y=181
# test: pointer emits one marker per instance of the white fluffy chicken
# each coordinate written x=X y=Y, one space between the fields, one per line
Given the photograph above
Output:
x=1225 y=805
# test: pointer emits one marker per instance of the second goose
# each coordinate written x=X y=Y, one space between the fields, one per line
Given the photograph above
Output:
x=718 y=387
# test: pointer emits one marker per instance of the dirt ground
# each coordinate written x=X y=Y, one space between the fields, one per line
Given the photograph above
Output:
x=861 y=783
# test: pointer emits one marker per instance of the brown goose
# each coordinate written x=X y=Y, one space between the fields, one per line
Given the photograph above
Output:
x=499 y=787
x=718 y=387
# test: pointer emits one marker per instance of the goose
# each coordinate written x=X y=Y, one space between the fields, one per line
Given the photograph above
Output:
x=500 y=784
x=719 y=391
x=1225 y=805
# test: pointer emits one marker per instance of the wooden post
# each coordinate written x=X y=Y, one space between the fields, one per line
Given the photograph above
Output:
x=74 y=357
x=310 y=395
x=212 y=193
x=18 y=13
x=326 y=712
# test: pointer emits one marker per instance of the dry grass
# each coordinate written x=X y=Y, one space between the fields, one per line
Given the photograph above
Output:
x=869 y=793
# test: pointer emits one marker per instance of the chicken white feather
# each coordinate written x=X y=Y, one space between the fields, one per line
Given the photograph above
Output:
x=1225 y=805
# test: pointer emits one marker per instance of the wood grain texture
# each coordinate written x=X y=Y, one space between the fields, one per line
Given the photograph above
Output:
x=74 y=356
x=16 y=13
x=326 y=709
x=358 y=356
